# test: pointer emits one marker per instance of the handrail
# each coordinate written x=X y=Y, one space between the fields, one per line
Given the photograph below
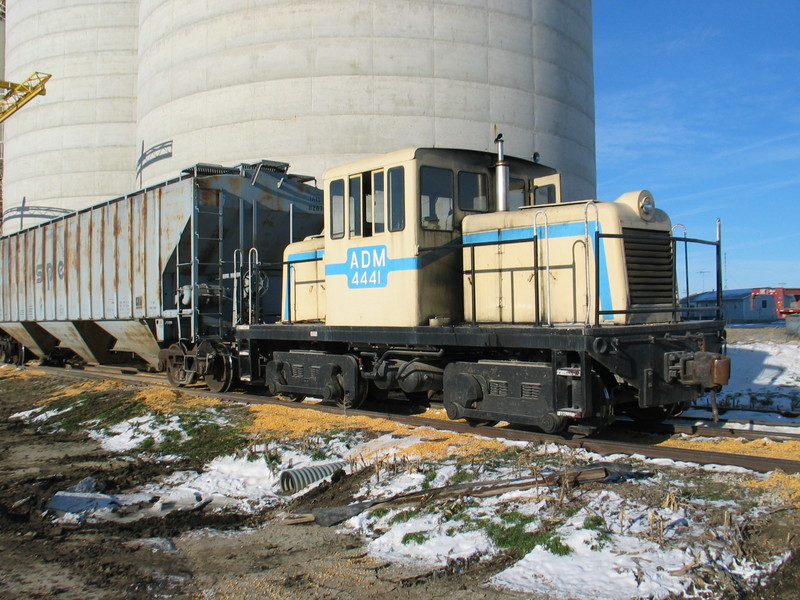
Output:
x=237 y=287
x=252 y=270
x=676 y=292
x=547 y=265
x=593 y=204
x=672 y=240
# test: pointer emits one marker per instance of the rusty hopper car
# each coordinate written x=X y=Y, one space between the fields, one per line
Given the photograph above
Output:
x=147 y=272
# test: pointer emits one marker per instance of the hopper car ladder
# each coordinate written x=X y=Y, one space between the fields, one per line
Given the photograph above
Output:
x=195 y=320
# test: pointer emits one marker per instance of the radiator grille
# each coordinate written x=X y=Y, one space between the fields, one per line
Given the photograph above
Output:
x=648 y=257
x=498 y=388
x=531 y=391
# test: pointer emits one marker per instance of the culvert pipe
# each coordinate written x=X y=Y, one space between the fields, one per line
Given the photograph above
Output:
x=294 y=480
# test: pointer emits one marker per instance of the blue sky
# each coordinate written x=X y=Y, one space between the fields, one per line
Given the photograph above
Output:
x=699 y=102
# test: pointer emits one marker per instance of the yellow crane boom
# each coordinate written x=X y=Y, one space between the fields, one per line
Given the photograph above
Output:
x=19 y=94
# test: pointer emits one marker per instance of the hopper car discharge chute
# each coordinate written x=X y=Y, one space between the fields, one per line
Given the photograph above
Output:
x=423 y=273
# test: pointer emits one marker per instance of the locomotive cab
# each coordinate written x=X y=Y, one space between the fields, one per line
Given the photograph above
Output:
x=390 y=252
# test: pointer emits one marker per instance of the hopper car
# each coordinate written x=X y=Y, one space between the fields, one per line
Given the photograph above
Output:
x=425 y=272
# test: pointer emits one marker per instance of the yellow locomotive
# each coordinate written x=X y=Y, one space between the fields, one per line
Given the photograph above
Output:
x=462 y=273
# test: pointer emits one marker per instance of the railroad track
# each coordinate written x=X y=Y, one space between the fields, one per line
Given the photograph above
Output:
x=600 y=445
x=729 y=428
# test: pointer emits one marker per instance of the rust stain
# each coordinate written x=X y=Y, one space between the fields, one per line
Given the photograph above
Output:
x=98 y=256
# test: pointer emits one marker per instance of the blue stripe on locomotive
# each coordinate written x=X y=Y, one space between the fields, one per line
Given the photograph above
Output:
x=369 y=266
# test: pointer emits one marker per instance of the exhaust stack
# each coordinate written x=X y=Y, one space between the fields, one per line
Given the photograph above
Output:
x=501 y=174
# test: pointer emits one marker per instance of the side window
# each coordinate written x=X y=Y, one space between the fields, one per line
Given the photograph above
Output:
x=336 y=195
x=516 y=194
x=354 y=206
x=544 y=194
x=378 y=218
x=436 y=198
x=397 y=199
x=472 y=193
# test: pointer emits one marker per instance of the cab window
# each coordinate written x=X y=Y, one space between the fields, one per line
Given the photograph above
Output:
x=354 y=207
x=396 y=200
x=472 y=193
x=516 y=193
x=544 y=194
x=377 y=215
x=336 y=196
x=436 y=198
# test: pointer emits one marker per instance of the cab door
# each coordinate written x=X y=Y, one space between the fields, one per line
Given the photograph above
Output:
x=370 y=262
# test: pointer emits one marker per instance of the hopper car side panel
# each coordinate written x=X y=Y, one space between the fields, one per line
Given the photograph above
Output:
x=147 y=270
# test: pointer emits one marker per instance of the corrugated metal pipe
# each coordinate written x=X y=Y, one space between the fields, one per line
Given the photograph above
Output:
x=294 y=480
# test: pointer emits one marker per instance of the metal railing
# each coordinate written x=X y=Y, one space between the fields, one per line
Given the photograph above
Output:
x=675 y=308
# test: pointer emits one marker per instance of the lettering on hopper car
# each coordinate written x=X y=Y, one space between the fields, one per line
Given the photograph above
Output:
x=46 y=272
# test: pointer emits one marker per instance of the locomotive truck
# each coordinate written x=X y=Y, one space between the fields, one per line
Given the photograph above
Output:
x=423 y=272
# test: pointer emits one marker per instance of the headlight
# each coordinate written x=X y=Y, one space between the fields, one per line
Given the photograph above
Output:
x=647 y=207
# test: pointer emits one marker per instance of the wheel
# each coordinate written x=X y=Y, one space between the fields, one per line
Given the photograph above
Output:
x=349 y=399
x=176 y=374
x=551 y=423
x=295 y=397
x=19 y=355
x=219 y=377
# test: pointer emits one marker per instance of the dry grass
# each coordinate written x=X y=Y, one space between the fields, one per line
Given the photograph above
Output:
x=292 y=422
x=763 y=447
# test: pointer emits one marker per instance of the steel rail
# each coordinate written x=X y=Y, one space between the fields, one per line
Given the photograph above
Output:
x=749 y=430
x=597 y=445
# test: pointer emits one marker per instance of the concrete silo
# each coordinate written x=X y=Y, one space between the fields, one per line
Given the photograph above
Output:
x=317 y=83
x=74 y=146
x=144 y=88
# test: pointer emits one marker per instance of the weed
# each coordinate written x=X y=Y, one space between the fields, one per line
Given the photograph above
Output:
x=554 y=545
x=403 y=516
x=514 y=516
x=461 y=477
x=455 y=509
x=595 y=522
x=172 y=436
x=379 y=513
x=430 y=475
x=418 y=537
x=513 y=538
x=205 y=441
x=598 y=524
x=147 y=445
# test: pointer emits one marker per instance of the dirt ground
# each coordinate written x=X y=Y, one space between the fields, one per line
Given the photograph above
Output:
x=219 y=556
x=182 y=555
x=759 y=334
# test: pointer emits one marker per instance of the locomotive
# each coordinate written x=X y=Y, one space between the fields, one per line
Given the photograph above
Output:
x=423 y=272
